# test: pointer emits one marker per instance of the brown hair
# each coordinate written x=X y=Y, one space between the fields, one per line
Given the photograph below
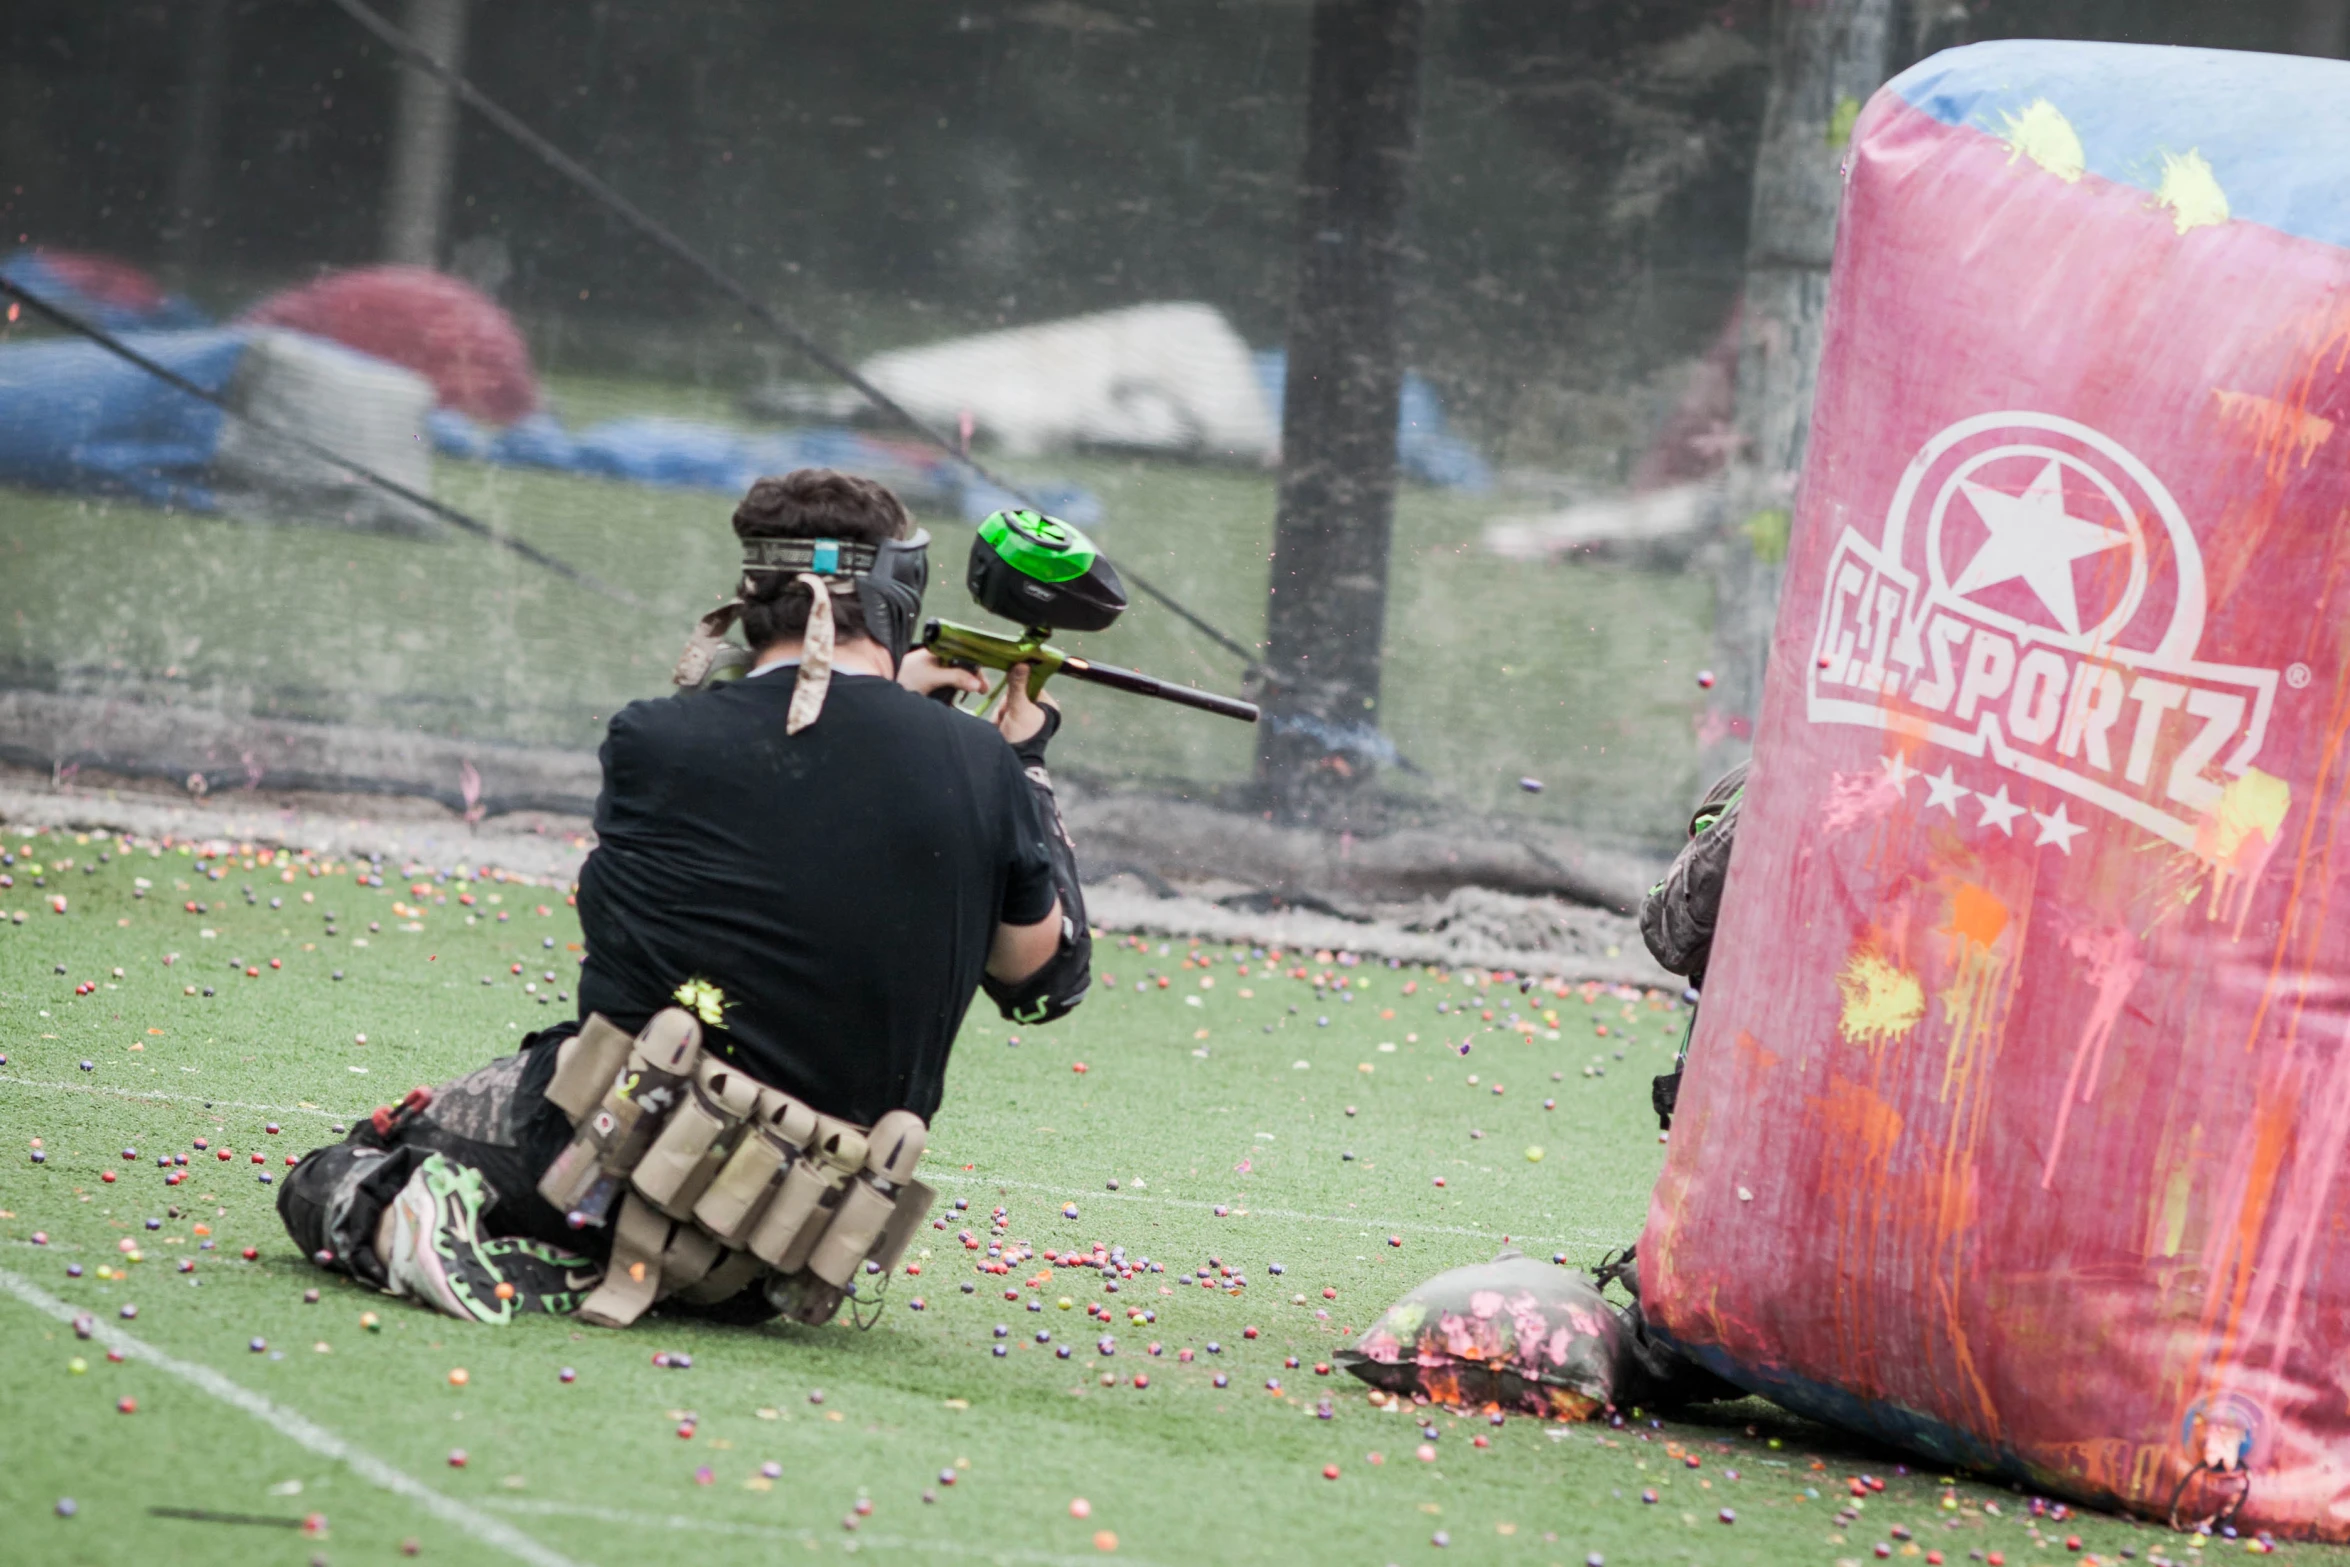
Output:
x=811 y=503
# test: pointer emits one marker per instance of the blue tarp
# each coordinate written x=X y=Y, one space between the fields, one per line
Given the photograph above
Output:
x=75 y=417
x=690 y=454
x=1425 y=446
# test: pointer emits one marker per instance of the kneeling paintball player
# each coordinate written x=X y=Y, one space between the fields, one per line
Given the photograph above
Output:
x=1677 y=917
x=800 y=878
x=1677 y=922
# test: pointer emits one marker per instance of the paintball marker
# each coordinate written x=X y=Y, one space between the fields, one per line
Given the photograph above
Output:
x=1042 y=573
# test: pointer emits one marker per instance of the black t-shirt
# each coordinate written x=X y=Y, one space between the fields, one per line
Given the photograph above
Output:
x=841 y=885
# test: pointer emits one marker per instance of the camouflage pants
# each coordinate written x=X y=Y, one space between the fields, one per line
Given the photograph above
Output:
x=495 y=1120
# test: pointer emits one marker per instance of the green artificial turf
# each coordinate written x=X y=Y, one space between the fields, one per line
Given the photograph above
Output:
x=1579 y=675
x=1188 y=1107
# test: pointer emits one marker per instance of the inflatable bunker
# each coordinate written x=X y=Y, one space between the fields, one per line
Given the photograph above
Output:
x=2016 y=1121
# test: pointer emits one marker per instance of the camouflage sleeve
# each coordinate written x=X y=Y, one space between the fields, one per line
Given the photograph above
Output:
x=1677 y=916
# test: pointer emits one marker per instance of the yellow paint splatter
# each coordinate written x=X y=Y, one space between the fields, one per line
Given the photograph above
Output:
x=2042 y=134
x=1841 y=122
x=2237 y=837
x=2175 y=1195
x=2191 y=190
x=2280 y=429
x=1881 y=1003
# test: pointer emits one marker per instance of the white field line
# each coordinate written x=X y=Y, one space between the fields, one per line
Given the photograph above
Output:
x=301 y=1431
x=1585 y=1237
x=680 y=1523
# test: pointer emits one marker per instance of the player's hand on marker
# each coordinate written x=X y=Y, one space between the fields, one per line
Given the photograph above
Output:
x=922 y=673
x=1027 y=723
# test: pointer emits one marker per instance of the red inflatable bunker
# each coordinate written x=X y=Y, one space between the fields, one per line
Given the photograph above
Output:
x=2016 y=1120
x=441 y=327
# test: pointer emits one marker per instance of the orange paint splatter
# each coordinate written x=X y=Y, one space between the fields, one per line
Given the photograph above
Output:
x=2280 y=430
x=1976 y=913
x=1977 y=994
x=1858 y=1132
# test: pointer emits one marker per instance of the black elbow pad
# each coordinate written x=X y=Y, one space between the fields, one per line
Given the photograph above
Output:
x=1054 y=990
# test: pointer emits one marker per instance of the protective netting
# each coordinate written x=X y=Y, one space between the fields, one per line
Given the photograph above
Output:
x=1063 y=236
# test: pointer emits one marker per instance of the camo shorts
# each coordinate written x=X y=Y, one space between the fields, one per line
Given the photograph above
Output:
x=495 y=1119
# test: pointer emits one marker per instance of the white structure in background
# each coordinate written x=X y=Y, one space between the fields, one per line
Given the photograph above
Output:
x=366 y=410
x=1661 y=525
x=1164 y=378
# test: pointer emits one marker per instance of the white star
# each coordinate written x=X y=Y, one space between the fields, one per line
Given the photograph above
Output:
x=2058 y=829
x=1999 y=811
x=1945 y=791
x=1898 y=773
x=2033 y=538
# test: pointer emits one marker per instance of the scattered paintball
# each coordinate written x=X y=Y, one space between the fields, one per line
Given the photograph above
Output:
x=1716 y=940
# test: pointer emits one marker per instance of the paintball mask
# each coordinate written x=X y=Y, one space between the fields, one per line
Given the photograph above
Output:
x=888 y=578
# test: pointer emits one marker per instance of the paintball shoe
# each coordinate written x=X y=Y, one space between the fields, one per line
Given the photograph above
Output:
x=434 y=1252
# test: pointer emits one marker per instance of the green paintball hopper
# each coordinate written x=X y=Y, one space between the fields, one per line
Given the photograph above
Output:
x=1036 y=570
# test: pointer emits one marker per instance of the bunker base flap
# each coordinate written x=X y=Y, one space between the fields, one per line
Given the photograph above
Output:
x=1519 y=1334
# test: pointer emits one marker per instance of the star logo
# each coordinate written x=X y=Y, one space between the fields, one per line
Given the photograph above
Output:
x=2034 y=538
x=1945 y=790
x=2032 y=579
x=1999 y=811
x=2058 y=829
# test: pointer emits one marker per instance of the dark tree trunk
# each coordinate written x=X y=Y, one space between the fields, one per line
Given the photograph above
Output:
x=1328 y=607
x=424 y=139
x=1936 y=25
x=1827 y=57
x=199 y=137
x=2323 y=27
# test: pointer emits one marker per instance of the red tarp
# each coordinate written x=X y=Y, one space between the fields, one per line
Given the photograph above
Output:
x=447 y=331
x=2015 y=1121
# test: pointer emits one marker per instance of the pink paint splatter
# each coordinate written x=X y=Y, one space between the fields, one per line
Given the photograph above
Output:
x=2306 y=1208
x=1526 y=1316
x=2111 y=963
x=1854 y=798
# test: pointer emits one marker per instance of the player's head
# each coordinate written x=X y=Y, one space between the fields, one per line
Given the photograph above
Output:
x=811 y=503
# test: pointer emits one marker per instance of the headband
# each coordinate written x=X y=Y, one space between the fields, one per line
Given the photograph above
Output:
x=822 y=566
x=822 y=557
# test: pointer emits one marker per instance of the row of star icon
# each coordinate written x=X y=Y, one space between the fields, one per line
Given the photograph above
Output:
x=1945 y=792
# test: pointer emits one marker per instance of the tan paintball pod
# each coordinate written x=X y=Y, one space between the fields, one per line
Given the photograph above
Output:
x=780 y=1130
x=811 y=1190
x=892 y=1149
x=698 y=1139
x=711 y=1179
x=589 y=1175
